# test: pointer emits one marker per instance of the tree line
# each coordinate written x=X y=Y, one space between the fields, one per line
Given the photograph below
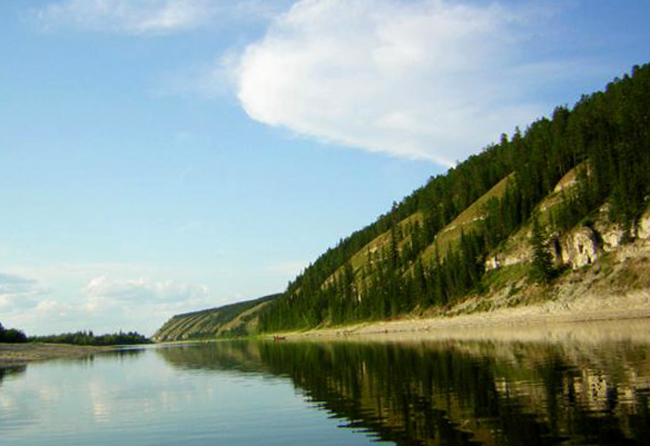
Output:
x=89 y=338
x=84 y=337
x=11 y=335
x=606 y=133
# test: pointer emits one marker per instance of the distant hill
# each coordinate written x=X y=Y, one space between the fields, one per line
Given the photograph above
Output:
x=234 y=320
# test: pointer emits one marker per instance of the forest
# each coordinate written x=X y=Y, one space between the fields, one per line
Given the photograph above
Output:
x=607 y=132
x=89 y=338
x=12 y=335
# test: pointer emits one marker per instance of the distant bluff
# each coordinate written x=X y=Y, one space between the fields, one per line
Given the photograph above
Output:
x=234 y=320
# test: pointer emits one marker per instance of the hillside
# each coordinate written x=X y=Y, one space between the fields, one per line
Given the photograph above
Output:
x=239 y=319
x=529 y=210
x=540 y=213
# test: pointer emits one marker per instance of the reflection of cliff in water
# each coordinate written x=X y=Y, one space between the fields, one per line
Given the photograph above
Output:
x=428 y=393
x=236 y=356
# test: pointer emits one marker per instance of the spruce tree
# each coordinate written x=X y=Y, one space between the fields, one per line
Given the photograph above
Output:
x=542 y=264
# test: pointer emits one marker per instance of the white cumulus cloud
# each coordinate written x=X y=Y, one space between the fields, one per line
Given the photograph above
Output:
x=431 y=79
x=144 y=290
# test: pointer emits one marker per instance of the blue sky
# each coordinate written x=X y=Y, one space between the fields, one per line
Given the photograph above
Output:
x=162 y=156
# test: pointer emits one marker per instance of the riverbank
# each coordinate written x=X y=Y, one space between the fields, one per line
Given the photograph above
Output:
x=13 y=355
x=548 y=316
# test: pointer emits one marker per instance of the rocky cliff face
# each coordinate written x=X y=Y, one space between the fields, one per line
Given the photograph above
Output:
x=643 y=226
x=581 y=246
x=584 y=245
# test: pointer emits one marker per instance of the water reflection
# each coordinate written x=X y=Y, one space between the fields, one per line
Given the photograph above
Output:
x=458 y=392
x=236 y=356
x=9 y=371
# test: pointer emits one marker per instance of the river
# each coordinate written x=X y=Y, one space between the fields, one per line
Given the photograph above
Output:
x=592 y=387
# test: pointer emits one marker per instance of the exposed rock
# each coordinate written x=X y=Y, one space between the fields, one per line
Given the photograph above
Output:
x=580 y=247
x=612 y=238
x=555 y=248
x=492 y=263
x=643 y=228
x=498 y=261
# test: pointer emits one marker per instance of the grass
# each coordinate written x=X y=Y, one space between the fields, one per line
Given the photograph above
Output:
x=229 y=319
x=634 y=275
x=505 y=276
x=359 y=259
x=466 y=220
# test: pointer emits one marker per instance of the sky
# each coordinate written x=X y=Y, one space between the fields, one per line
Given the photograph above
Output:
x=165 y=156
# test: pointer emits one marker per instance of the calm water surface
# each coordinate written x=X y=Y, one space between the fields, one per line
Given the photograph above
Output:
x=584 y=389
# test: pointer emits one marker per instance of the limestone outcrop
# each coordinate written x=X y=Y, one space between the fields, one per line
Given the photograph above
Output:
x=580 y=247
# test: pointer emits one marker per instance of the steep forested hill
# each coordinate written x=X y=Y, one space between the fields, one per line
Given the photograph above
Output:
x=435 y=247
x=566 y=192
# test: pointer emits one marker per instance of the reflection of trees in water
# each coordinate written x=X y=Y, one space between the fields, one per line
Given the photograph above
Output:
x=411 y=396
x=238 y=356
x=128 y=353
x=17 y=370
x=457 y=393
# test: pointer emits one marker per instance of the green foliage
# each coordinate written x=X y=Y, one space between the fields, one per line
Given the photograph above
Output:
x=607 y=132
x=542 y=270
x=505 y=276
x=211 y=323
x=12 y=335
x=88 y=338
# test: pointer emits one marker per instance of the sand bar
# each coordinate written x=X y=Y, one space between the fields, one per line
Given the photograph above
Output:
x=12 y=355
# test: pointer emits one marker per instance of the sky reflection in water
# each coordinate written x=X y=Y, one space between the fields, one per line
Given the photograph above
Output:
x=407 y=392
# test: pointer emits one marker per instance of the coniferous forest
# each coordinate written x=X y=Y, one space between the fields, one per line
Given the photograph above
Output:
x=607 y=132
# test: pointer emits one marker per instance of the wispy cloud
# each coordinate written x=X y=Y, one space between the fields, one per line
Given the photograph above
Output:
x=17 y=292
x=144 y=290
x=149 y=16
x=431 y=79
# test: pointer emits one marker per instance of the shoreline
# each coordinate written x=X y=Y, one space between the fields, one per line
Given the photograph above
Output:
x=545 y=317
x=18 y=355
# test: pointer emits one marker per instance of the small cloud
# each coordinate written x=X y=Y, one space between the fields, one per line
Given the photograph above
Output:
x=53 y=308
x=147 y=17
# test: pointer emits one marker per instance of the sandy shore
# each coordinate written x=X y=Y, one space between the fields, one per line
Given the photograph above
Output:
x=545 y=318
x=12 y=355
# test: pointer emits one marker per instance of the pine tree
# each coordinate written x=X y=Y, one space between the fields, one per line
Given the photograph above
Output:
x=542 y=265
